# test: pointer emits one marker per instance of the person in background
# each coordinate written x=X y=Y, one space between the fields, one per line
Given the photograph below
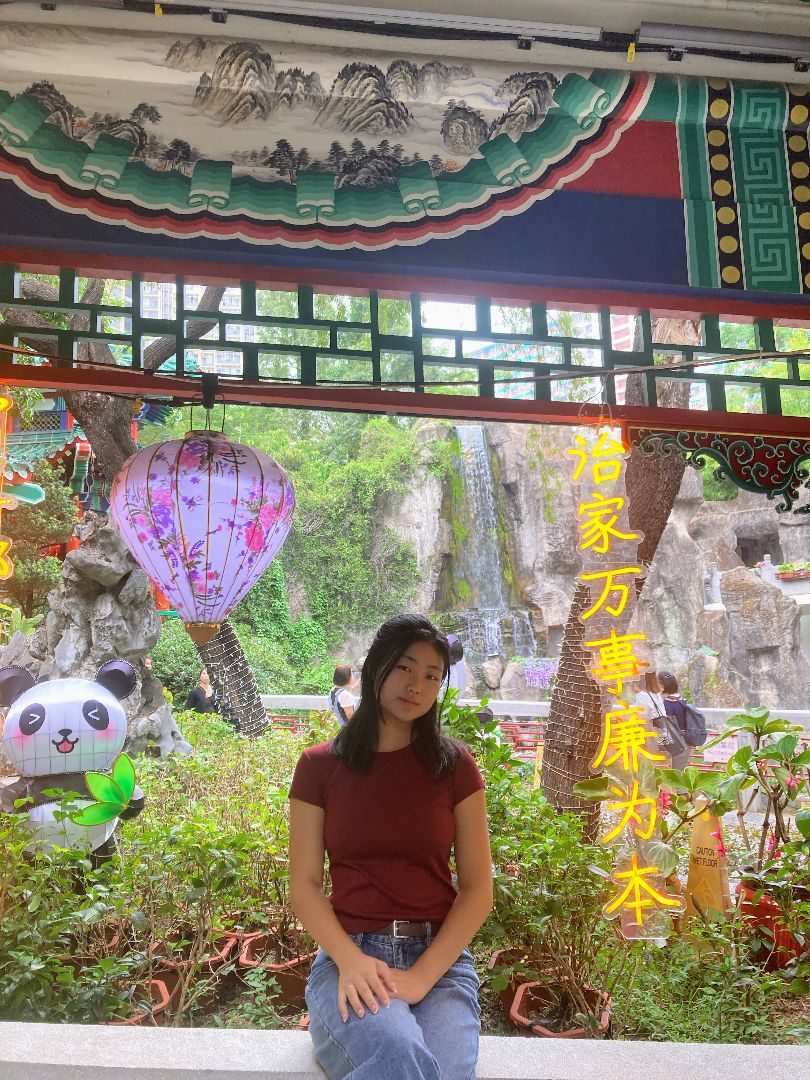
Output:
x=393 y=991
x=341 y=699
x=674 y=705
x=147 y=663
x=457 y=676
x=651 y=703
x=201 y=699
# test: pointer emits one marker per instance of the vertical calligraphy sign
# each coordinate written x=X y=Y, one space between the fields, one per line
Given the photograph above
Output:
x=7 y=502
x=628 y=754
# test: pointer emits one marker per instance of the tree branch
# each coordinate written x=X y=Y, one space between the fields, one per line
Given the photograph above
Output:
x=35 y=289
x=164 y=348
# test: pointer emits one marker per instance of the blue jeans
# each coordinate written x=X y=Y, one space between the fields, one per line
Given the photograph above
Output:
x=437 y=1039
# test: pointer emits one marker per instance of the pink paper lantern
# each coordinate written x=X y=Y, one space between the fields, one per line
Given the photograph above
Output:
x=204 y=517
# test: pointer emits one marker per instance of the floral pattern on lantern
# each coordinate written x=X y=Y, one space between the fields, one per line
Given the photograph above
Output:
x=204 y=517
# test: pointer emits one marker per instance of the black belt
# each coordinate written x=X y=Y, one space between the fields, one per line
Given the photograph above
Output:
x=405 y=928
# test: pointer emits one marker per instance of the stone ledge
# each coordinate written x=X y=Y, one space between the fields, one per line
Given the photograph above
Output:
x=96 y=1052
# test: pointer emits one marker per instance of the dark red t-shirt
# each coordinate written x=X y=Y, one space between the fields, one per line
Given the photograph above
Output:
x=388 y=833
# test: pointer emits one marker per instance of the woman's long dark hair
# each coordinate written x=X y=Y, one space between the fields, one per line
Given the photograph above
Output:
x=357 y=741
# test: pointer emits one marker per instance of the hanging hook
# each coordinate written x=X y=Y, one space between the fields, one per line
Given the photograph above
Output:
x=210 y=385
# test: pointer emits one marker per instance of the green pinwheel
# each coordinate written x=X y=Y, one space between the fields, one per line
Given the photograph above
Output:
x=111 y=794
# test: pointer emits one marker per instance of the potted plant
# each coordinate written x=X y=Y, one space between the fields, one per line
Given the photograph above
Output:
x=775 y=872
x=539 y=1009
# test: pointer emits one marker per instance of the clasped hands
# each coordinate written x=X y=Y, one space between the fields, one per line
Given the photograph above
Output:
x=366 y=983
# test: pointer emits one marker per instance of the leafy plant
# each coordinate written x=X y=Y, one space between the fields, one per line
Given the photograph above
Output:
x=13 y=621
x=550 y=884
x=707 y=987
x=31 y=529
x=258 y=1007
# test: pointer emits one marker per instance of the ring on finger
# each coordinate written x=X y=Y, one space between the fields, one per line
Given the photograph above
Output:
x=349 y=986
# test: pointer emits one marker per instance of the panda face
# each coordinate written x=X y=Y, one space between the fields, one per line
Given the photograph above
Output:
x=64 y=726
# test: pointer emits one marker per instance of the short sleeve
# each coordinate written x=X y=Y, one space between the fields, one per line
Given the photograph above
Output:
x=467 y=777
x=307 y=783
x=346 y=699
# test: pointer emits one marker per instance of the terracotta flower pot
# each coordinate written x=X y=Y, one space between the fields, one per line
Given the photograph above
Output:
x=220 y=949
x=290 y=975
x=534 y=1002
x=159 y=994
x=765 y=912
x=508 y=958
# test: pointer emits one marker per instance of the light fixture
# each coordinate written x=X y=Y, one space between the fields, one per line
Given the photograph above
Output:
x=744 y=43
x=219 y=15
x=524 y=43
x=426 y=20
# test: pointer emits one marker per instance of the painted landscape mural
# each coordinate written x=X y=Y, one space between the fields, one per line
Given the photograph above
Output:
x=255 y=132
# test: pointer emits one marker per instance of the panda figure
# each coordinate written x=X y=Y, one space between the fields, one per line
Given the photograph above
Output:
x=54 y=733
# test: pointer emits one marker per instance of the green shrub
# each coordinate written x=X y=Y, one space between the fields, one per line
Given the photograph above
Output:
x=175 y=660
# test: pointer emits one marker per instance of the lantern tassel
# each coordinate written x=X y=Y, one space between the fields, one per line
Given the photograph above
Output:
x=202 y=632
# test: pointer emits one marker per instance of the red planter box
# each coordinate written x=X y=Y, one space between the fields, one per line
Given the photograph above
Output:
x=533 y=998
x=291 y=975
x=766 y=912
x=160 y=996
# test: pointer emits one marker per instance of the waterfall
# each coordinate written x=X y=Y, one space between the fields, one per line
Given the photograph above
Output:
x=490 y=628
x=479 y=560
x=525 y=642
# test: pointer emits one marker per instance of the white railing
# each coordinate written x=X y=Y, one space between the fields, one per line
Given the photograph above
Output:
x=715 y=718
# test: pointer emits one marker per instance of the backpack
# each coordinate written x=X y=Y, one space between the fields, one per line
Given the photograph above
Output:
x=695 y=725
x=336 y=707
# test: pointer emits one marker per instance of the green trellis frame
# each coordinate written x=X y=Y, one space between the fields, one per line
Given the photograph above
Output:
x=560 y=355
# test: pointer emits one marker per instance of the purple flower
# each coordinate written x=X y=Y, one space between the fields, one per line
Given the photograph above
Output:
x=162 y=517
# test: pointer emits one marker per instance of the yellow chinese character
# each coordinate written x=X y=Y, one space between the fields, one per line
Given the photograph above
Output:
x=632 y=814
x=617 y=661
x=610 y=586
x=6 y=565
x=624 y=739
x=605 y=447
x=596 y=532
x=639 y=892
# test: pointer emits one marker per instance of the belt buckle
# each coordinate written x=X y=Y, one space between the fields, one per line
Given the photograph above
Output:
x=398 y=923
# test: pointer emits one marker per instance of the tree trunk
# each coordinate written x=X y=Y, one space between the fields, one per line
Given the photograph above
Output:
x=239 y=700
x=575 y=721
x=107 y=421
x=575 y=714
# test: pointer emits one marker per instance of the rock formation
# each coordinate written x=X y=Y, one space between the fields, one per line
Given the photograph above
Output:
x=241 y=87
x=463 y=128
x=100 y=610
x=743 y=651
x=746 y=650
x=403 y=79
x=294 y=87
x=528 y=109
x=193 y=54
x=417 y=517
x=407 y=81
x=360 y=100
